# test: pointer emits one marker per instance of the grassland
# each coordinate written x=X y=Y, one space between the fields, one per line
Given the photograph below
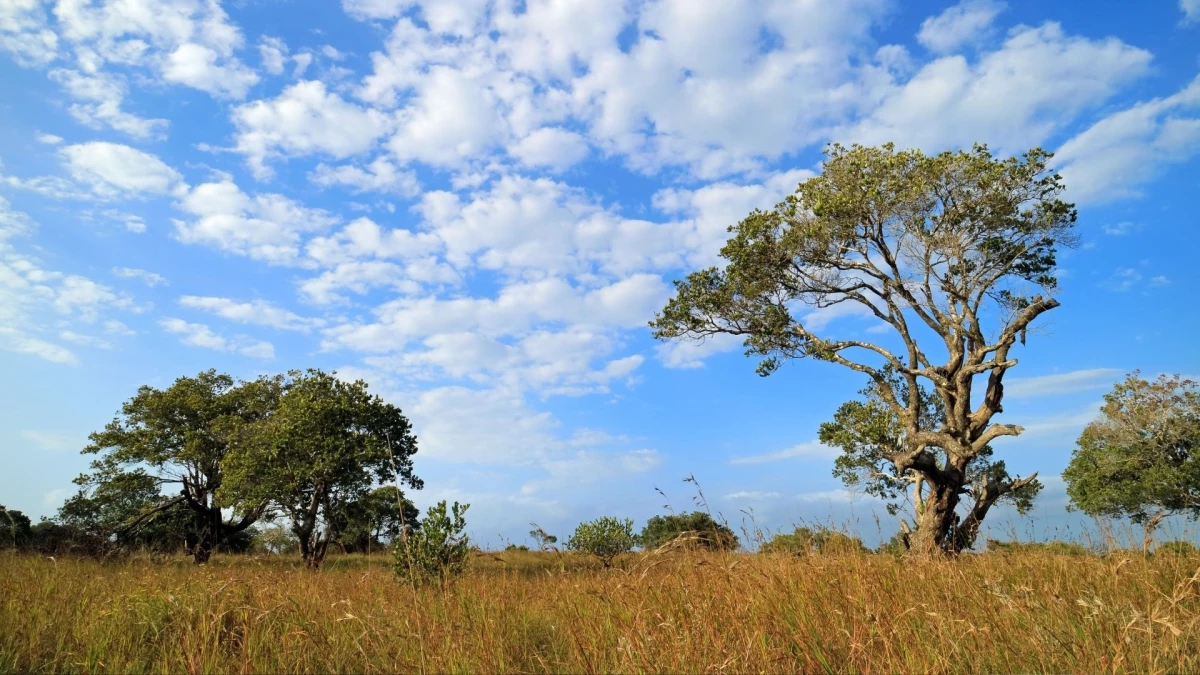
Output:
x=679 y=612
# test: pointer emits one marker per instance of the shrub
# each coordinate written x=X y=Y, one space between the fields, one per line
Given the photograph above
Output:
x=605 y=538
x=696 y=529
x=438 y=549
x=516 y=547
x=1054 y=547
x=1176 y=547
x=805 y=541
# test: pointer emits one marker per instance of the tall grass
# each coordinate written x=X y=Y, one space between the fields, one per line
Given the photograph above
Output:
x=677 y=612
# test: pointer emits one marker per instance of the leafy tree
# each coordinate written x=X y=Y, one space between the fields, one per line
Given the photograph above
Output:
x=605 y=538
x=127 y=510
x=15 y=529
x=545 y=540
x=870 y=435
x=953 y=253
x=696 y=529
x=438 y=549
x=806 y=541
x=1141 y=457
x=327 y=442
x=182 y=436
x=1176 y=547
x=378 y=516
x=275 y=540
x=516 y=547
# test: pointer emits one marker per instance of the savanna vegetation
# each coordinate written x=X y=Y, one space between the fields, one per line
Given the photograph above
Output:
x=281 y=489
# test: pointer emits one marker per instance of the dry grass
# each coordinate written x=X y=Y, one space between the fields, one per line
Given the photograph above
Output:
x=526 y=612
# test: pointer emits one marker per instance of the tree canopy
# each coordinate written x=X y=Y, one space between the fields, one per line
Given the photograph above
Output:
x=179 y=438
x=697 y=529
x=1141 y=457
x=325 y=445
x=954 y=254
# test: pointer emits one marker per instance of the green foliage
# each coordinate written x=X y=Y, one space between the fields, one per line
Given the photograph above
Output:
x=1177 y=547
x=1054 y=547
x=15 y=529
x=544 y=539
x=696 y=529
x=811 y=541
x=934 y=248
x=605 y=538
x=367 y=522
x=327 y=442
x=275 y=540
x=180 y=436
x=438 y=549
x=516 y=547
x=1141 y=457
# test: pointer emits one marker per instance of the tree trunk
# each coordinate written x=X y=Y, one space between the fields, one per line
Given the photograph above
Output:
x=205 y=543
x=936 y=524
x=1148 y=528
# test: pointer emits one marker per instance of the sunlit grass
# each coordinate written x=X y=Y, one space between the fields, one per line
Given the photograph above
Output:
x=677 y=612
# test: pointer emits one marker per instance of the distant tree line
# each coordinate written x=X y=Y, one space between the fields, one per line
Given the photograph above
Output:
x=194 y=467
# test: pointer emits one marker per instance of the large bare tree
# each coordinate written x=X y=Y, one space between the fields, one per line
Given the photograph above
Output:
x=954 y=253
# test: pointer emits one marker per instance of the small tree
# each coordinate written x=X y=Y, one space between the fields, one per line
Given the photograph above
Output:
x=364 y=524
x=954 y=254
x=544 y=539
x=323 y=448
x=605 y=538
x=15 y=529
x=1141 y=457
x=696 y=529
x=809 y=541
x=438 y=549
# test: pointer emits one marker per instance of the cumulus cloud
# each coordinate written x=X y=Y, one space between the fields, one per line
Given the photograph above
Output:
x=1116 y=156
x=115 y=170
x=959 y=24
x=254 y=312
x=807 y=450
x=200 y=335
x=304 y=119
x=149 y=278
x=267 y=227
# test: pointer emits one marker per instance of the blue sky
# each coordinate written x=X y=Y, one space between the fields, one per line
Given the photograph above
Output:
x=477 y=205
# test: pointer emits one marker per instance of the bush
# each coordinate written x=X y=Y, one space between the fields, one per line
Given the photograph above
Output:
x=438 y=549
x=1053 y=547
x=1177 y=547
x=516 y=547
x=805 y=541
x=605 y=538
x=696 y=529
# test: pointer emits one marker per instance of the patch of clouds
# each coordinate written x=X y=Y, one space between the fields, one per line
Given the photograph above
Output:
x=807 y=450
x=200 y=335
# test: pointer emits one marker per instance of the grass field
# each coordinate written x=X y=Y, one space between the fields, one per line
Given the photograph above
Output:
x=679 y=612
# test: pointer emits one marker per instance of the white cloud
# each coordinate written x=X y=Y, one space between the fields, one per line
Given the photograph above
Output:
x=381 y=175
x=450 y=120
x=751 y=495
x=200 y=67
x=1120 y=229
x=552 y=148
x=24 y=32
x=458 y=424
x=115 y=170
x=841 y=496
x=692 y=353
x=1114 y=157
x=1014 y=97
x=53 y=441
x=1060 y=383
x=1191 y=10
x=85 y=340
x=16 y=341
x=149 y=278
x=49 y=139
x=255 y=312
x=807 y=450
x=304 y=119
x=958 y=25
x=267 y=227
x=200 y=335
x=99 y=97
